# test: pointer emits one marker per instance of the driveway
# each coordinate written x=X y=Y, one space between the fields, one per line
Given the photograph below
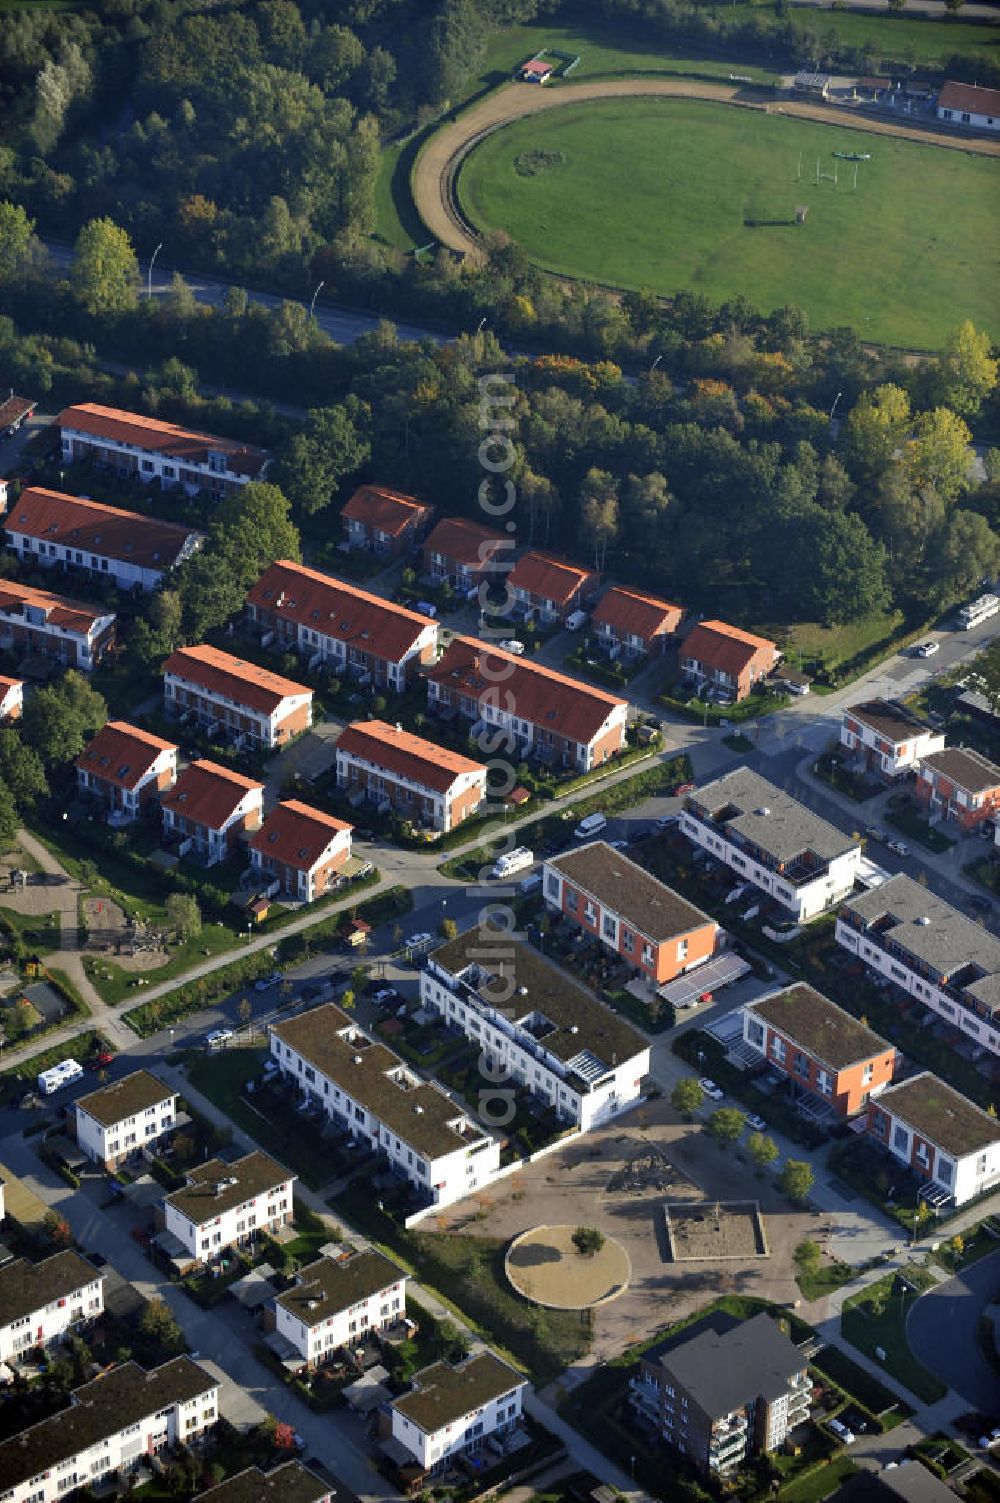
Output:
x=941 y=1330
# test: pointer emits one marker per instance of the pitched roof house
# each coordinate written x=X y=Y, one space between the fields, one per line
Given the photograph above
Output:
x=302 y=848
x=970 y=104
x=435 y=786
x=463 y=553
x=384 y=521
x=152 y=449
x=731 y=660
x=264 y=708
x=210 y=809
x=11 y=698
x=126 y=766
x=33 y=620
x=49 y=528
x=550 y=588
x=634 y=624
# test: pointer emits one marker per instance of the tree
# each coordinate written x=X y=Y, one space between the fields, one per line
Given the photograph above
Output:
x=105 y=268
x=252 y=527
x=449 y=929
x=687 y=1096
x=762 y=1149
x=9 y=821
x=807 y=1256
x=347 y=1000
x=21 y=769
x=957 y=1245
x=967 y=372
x=875 y=428
x=58 y=717
x=939 y=454
x=796 y=1179
x=334 y=443
x=963 y=551
x=726 y=1125
x=57 y=1229
x=599 y=512
x=183 y=915
x=246 y=1014
x=588 y=1241
x=450 y=1343
x=16 y=236
x=160 y=1326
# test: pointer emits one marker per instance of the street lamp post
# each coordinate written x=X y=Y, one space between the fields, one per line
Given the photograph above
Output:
x=834 y=407
x=481 y=324
x=149 y=274
x=655 y=364
x=312 y=304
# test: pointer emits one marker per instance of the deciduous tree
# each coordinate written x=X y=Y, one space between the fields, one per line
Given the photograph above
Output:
x=105 y=268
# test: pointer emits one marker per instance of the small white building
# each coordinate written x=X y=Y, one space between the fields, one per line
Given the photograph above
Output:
x=339 y=1301
x=130 y=1113
x=11 y=698
x=40 y=1302
x=768 y=838
x=228 y=1205
x=946 y=1139
x=546 y=1035
x=971 y=105
x=886 y=738
x=453 y=1410
x=110 y=1424
x=361 y=1085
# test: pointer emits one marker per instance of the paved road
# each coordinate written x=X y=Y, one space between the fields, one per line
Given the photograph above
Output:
x=942 y=1331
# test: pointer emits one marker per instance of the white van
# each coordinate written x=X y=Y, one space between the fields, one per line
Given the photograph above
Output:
x=575 y=620
x=513 y=861
x=591 y=826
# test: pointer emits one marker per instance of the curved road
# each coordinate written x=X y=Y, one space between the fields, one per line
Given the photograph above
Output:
x=942 y=1333
x=434 y=169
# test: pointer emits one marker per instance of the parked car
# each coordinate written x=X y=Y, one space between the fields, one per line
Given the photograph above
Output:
x=989 y=1441
x=755 y=1122
x=875 y=832
x=683 y=788
x=841 y=1431
x=513 y=646
x=218 y=1038
x=417 y=941
x=712 y=1091
x=265 y=983
x=928 y=649
x=899 y=847
x=100 y=1060
x=665 y=821
x=384 y=996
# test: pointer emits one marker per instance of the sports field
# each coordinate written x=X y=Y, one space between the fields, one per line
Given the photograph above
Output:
x=668 y=194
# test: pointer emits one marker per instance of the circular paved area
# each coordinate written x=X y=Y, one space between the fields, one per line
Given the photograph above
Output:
x=942 y=1333
x=434 y=170
x=544 y=1266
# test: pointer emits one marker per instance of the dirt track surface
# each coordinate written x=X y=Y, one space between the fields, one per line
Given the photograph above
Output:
x=435 y=166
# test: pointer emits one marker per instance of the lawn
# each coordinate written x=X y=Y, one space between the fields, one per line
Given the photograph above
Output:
x=877 y=1318
x=825 y=1280
x=709 y=202
x=115 y=984
x=818 y=1483
x=909 y=39
x=808 y=643
x=911 y=822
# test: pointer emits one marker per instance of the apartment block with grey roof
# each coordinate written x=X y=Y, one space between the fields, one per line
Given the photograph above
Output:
x=924 y=946
x=768 y=838
x=720 y=1397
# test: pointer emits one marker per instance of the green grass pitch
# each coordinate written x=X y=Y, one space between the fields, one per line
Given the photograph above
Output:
x=669 y=194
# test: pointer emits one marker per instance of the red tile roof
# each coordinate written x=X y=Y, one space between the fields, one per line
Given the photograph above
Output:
x=208 y=794
x=14 y=409
x=242 y=682
x=972 y=99
x=72 y=615
x=723 y=646
x=549 y=700
x=183 y=444
x=74 y=522
x=632 y=614
x=6 y=684
x=328 y=605
x=297 y=835
x=549 y=577
x=410 y=756
x=122 y=754
x=464 y=542
x=384 y=510
x=536 y=65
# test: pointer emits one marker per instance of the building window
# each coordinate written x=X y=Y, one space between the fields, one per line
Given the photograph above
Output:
x=901 y=1140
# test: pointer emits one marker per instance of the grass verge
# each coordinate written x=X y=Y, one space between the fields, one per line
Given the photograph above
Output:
x=876 y=1318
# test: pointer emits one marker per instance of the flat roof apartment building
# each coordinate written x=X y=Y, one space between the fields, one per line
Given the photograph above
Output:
x=228 y=1205
x=949 y=1142
x=108 y=1425
x=150 y=449
x=374 y=1096
x=719 y=1398
x=124 y=1116
x=923 y=945
x=261 y=708
x=339 y=1301
x=289 y=1483
x=638 y=918
x=433 y=786
x=887 y=738
x=826 y=1053
x=51 y=529
x=40 y=1302
x=802 y=861
x=524 y=709
x=549 y=1035
x=53 y=626
x=340 y=626
x=452 y=1410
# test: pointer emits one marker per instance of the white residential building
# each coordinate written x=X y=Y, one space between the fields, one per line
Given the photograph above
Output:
x=228 y=1205
x=949 y=1142
x=428 y=1139
x=69 y=631
x=11 y=698
x=338 y=1301
x=972 y=105
x=40 y=1302
x=453 y=1410
x=150 y=449
x=215 y=689
x=128 y=1114
x=887 y=738
x=110 y=1423
x=547 y=1035
x=803 y=862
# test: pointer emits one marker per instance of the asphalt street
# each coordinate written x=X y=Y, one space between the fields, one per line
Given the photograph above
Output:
x=942 y=1330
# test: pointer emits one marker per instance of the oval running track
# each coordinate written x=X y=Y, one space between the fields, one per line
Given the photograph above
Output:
x=432 y=179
